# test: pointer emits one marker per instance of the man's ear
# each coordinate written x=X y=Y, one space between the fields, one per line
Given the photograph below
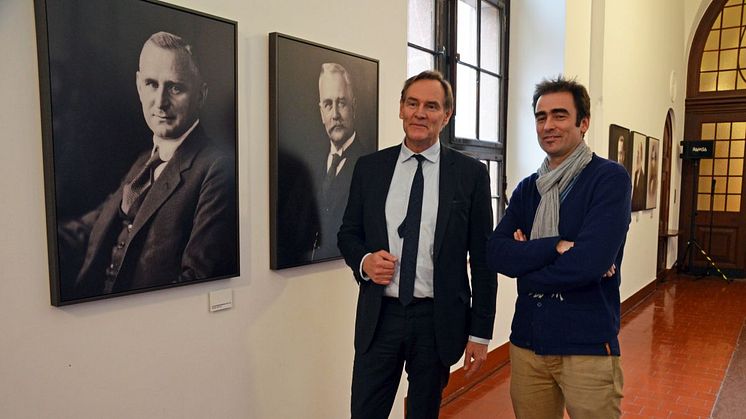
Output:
x=137 y=81
x=584 y=124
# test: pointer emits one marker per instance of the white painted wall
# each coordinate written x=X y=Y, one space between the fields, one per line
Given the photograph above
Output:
x=285 y=349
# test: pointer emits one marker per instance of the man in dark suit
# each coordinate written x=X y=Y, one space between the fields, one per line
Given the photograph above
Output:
x=173 y=218
x=337 y=106
x=415 y=212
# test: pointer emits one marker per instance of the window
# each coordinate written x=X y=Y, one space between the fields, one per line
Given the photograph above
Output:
x=723 y=66
x=466 y=40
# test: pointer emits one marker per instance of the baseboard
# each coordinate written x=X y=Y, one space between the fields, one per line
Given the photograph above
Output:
x=499 y=357
x=643 y=293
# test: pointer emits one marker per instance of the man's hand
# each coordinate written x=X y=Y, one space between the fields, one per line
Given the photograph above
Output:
x=563 y=246
x=379 y=267
x=611 y=271
x=474 y=356
x=518 y=235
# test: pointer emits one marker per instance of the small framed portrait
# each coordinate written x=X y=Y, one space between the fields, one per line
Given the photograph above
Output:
x=139 y=135
x=620 y=146
x=652 y=162
x=323 y=117
x=639 y=171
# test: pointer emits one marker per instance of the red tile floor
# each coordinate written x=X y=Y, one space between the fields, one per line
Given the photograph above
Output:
x=676 y=346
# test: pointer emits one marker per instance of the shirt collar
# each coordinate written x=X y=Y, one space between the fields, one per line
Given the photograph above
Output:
x=345 y=146
x=167 y=147
x=432 y=154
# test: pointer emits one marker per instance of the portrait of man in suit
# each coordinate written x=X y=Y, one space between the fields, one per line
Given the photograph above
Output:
x=415 y=211
x=337 y=108
x=327 y=119
x=639 y=177
x=173 y=217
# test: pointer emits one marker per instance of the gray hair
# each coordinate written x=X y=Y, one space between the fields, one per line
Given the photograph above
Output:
x=334 y=68
x=173 y=42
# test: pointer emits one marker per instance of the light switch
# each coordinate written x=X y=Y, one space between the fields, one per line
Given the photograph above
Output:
x=221 y=299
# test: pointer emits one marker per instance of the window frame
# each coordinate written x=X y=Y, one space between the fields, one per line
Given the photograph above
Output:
x=446 y=59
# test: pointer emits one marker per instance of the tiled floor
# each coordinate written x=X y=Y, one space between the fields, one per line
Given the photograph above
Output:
x=676 y=346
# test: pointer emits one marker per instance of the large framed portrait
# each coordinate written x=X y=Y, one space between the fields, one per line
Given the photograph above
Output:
x=639 y=173
x=139 y=127
x=620 y=146
x=323 y=117
x=653 y=153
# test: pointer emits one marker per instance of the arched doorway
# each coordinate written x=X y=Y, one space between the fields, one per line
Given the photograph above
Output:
x=663 y=214
x=716 y=111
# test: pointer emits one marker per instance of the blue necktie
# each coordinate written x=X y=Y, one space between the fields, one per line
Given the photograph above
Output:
x=410 y=231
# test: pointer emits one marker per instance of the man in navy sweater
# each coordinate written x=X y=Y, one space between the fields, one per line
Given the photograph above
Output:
x=562 y=237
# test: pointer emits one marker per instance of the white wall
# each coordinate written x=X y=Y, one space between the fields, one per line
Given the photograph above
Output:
x=637 y=45
x=285 y=349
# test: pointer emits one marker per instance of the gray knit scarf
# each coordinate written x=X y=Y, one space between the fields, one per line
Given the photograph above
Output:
x=551 y=184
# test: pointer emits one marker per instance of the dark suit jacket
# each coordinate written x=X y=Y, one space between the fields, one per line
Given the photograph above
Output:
x=331 y=206
x=185 y=230
x=464 y=222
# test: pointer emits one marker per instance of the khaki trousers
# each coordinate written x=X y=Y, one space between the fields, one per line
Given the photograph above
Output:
x=542 y=386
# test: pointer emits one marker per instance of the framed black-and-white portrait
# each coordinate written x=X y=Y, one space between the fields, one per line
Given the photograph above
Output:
x=139 y=126
x=323 y=117
x=620 y=146
x=639 y=173
x=653 y=153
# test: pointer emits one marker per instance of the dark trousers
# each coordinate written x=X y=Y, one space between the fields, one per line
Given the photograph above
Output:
x=405 y=338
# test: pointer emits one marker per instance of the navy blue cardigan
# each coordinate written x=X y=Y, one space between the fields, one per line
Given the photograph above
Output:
x=578 y=311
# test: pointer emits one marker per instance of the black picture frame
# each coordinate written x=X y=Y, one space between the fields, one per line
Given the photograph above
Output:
x=94 y=127
x=306 y=203
x=652 y=161
x=619 y=137
x=639 y=171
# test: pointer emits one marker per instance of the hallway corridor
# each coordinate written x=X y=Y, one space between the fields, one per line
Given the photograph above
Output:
x=676 y=347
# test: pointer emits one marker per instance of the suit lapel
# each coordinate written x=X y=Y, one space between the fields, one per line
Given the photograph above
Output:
x=446 y=190
x=169 y=180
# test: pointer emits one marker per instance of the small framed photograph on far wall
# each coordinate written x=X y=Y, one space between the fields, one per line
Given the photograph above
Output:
x=639 y=173
x=653 y=153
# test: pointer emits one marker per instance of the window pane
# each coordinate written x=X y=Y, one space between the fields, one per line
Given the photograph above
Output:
x=729 y=59
x=707 y=82
x=713 y=41
x=489 y=107
x=422 y=23
x=730 y=38
x=708 y=131
x=703 y=202
x=493 y=180
x=709 y=61
x=705 y=167
x=466 y=102
x=467 y=31
x=721 y=148
x=720 y=184
x=736 y=149
x=723 y=131
x=739 y=130
x=718 y=204
x=732 y=17
x=734 y=203
x=490 y=38
x=734 y=185
x=418 y=61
